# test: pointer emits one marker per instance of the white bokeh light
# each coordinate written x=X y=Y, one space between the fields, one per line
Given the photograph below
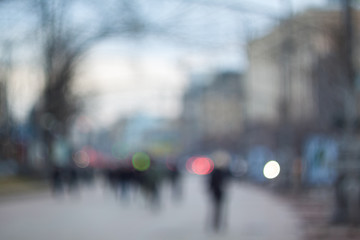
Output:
x=271 y=169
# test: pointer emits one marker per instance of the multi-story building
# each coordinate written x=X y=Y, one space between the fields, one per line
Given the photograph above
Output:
x=298 y=85
x=297 y=72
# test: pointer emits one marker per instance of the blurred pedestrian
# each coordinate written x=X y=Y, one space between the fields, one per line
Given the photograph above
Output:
x=72 y=179
x=217 y=188
x=57 y=180
x=174 y=176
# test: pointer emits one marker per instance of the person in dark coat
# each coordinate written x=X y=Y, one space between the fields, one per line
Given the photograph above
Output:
x=57 y=180
x=217 y=188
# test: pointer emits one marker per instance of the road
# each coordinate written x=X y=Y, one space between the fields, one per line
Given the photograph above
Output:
x=96 y=213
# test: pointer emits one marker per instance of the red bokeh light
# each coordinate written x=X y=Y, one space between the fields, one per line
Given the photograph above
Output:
x=200 y=165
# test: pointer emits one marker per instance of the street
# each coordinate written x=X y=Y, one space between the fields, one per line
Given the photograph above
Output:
x=96 y=213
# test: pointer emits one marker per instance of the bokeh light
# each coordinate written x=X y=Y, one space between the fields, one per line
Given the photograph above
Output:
x=271 y=169
x=189 y=163
x=141 y=161
x=200 y=165
x=81 y=159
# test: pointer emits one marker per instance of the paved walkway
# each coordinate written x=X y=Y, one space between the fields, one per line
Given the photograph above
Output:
x=315 y=208
x=95 y=213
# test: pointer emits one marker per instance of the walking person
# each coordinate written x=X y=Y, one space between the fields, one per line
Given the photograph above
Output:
x=217 y=187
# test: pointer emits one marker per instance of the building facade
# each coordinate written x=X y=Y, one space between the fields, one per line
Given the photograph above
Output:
x=296 y=71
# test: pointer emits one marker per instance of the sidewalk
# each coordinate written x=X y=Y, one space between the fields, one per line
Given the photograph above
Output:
x=95 y=212
x=315 y=208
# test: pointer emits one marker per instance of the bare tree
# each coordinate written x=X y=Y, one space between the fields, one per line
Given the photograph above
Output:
x=63 y=41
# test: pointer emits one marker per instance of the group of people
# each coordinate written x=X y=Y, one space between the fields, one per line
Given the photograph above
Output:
x=125 y=180
x=67 y=179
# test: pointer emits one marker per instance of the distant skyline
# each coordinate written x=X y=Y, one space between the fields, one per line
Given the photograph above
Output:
x=174 y=61
x=149 y=75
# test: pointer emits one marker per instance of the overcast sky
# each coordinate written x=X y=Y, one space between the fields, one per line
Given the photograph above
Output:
x=120 y=77
x=150 y=75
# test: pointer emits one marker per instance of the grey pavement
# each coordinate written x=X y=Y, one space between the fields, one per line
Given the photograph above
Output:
x=316 y=208
x=96 y=213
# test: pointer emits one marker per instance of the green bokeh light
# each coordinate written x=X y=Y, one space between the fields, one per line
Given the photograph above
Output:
x=141 y=161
